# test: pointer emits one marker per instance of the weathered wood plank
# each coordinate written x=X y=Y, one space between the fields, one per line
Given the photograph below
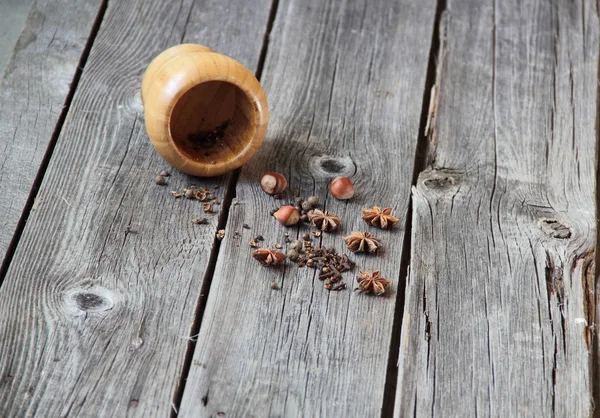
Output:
x=33 y=91
x=12 y=19
x=95 y=320
x=345 y=82
x=499 y=303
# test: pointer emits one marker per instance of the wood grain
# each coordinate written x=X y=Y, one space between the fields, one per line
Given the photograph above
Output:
x=33 y=91
x=98 y=301
x=500 y=299
x=345 y=82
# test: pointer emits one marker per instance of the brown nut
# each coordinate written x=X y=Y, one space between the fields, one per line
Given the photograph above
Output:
x=341 y=188
x=273 y=183
x=287 y=215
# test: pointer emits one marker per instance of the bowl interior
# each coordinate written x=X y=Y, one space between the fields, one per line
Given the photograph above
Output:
x=212 y=122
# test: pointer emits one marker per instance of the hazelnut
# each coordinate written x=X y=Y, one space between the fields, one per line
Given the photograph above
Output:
x=341 y=188
x=314 y=201
x=273 y=183
x=287 y=215
x=296 y=245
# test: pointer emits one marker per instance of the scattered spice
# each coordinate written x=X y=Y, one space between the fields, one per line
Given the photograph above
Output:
x=274 y=286
x=200 y=221
x=380 y=218
x=313 y=200
x=316 y=233
x=253 y=244
x=207 y=139
x=207 y=207
x=267 y=257
x=362 y=242
x=278 y=246
x=220 y=234
x=325 y=221
x=259 y=238
x=293 y=255
x=235 y=202
x=176 y=194
x=372 y=282
x=164 y=173
x=306 y=206
x=216 y=202
x=306 y=236
x=331 y=263
x=246 y=226
x=160 y=180
x=335 y=287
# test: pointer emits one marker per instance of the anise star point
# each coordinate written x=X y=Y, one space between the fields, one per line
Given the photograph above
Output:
x=362 y=242
x=371 y=282
x=325 y=221
x=380 y=218
x=268 y=257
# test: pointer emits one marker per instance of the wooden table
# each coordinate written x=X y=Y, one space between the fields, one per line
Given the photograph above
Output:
x=475 y=121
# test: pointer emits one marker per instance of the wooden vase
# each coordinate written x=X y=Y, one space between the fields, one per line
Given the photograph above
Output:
x=205 y=113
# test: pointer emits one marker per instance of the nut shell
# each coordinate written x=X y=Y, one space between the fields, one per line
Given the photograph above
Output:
x=341 y=188
x=287 y=215
x=273 y=183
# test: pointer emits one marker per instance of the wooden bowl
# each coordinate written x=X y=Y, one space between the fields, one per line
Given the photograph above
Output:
x=205 y=113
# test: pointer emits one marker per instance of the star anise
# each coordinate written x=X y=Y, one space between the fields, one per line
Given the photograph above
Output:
x=371 y=282
x=325 y=221
x=381 y=218
x=267 y=257
x=362 y=242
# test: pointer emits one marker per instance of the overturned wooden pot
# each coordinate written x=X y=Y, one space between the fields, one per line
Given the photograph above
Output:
x=205 y=113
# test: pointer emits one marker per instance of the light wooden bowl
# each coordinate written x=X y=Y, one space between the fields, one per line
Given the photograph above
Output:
x=205 y=113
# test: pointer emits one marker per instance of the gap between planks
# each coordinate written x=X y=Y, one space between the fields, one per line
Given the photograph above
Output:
x=595 y=354
x=422 y=158
x=35 y=187
x=230 y=193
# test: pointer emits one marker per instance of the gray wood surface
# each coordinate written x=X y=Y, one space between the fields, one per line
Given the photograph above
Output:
x=33 y=91
x=345 y=82
x=13 y=14
x=500 y=298
x=98 y=302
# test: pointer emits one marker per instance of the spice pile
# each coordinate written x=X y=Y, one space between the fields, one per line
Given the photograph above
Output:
x=330 y=263
x=202 y=194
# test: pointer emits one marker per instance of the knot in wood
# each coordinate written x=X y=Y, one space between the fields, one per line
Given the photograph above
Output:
x=438 y=180
x=330 y=165
x=91 y=300
x=555 y=228
x=88 y=301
